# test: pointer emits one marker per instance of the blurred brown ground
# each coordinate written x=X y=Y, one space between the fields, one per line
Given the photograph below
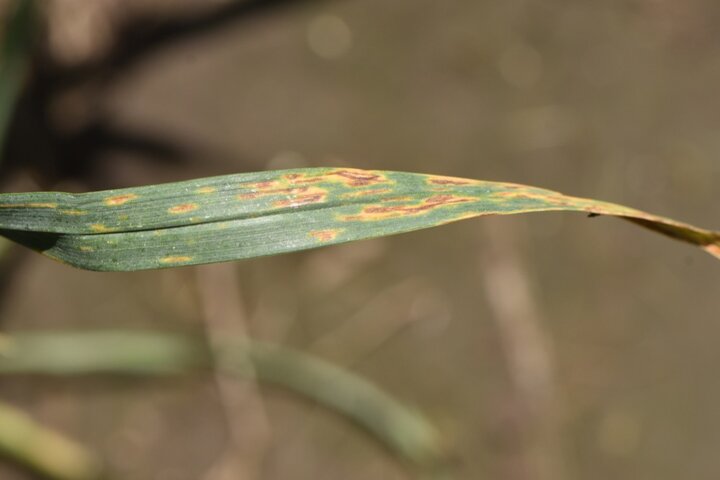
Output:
x=614 y=100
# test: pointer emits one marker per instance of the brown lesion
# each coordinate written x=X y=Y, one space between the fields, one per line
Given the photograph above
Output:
x=301 y=178
x=29 y=205
x=382 y=212
x=264 y=185
x=325 y=235
x=183 y=208
x=291 y=191
x=353 y=177
x=298 y=200
x=295 y=196
x=119 y=199
x=366 y=193
x=520 y=194
x=442 y=180
x=550 y=198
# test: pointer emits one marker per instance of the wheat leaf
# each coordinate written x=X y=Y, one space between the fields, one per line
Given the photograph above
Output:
x=255 y=214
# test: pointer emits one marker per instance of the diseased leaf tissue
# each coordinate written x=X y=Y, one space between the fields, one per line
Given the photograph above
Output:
x=249 y=215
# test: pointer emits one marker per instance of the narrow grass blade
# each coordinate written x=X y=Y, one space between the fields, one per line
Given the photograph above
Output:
x=255 y=214
x=401 y=429
x=42 y=451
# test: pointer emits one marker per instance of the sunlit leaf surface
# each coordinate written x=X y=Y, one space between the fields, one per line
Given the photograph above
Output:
x=250 y=215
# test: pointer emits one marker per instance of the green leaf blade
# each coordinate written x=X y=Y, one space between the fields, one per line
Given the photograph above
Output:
x=250 y=215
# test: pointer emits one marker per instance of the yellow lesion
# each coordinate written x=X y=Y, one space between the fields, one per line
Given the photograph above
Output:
x=74 y=212
x=527 y=194
x=259 y=187
x=303 y=188
x=353 y=177
x=376 y=212
x=86 y=248
x=116 y=200
x=350 y=177
x=302 y=196
x=183 y=208
x=29 y=205
x=176 y=259
x=206 y=190
x=450 y=181
x=365 y=193
x=100 y=228
x=325 y=235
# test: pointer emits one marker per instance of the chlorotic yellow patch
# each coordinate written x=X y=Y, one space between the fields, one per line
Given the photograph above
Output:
x=178 y=259
x=376 y=212
x=29 y=205
x=206 y=190
x=450 y=181
x=366 y=193
x=183 y=208
x=119 y=199
x=100 y=228
x=325 y=235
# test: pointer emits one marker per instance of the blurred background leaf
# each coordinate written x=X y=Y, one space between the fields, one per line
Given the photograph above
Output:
x=399 y=428
x=43 y=451
x=19 y=37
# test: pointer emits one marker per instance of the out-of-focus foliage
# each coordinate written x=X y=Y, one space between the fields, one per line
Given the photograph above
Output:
x=400 y=428
x=16 y=43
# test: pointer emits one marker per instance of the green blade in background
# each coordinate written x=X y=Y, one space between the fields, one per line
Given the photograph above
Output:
x=401 y=429
x=45 y=452
x=15 y=51
x=250 y=215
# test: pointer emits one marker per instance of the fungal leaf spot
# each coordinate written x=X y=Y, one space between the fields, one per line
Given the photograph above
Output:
x=302 y=196
x=175 y=259
x=100 y=228
x=453 y=181
x=29 y=205
x=183 y=208
x=119 y=199
x=382 y=212
x=352 y=177
x=366 y=193
x=325 y=235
